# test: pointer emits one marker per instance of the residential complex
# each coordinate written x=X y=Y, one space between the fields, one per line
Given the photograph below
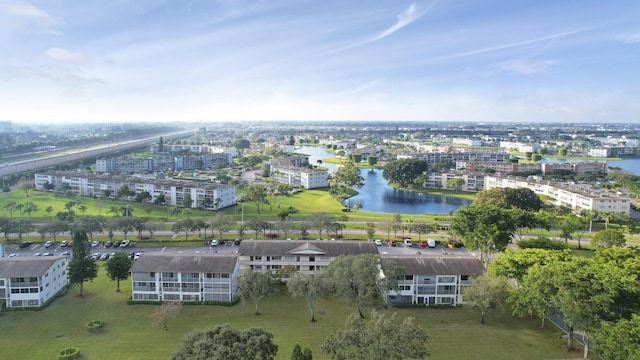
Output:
x=578 y=168
x=574 y=196
x=31 y=282
x=294 y=172
x=128 y=165
x=439 y=157
x=304 y=255
x=432 y=280
x=205 y=195
x=178 y=277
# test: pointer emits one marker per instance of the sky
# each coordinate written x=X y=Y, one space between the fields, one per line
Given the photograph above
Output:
x=524 y=61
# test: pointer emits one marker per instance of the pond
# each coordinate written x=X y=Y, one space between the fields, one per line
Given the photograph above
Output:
x=377 y=196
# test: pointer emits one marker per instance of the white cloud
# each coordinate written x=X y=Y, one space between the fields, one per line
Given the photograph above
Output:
x=528 y=67
x=408 y=16
x=63 y=55
x=629 y=38
x=30 y=11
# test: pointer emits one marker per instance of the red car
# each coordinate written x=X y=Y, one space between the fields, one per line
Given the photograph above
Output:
x=392 y=243
x=423 y=243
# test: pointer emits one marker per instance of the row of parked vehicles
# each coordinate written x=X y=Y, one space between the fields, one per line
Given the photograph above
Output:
x=107 y=256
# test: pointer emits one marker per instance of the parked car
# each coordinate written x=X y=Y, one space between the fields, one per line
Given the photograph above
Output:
x=124 y=243
x=13 y=255
x=64 y=243
x=237 y=242
x=378 y=242
x=95 y=243
x=70 y=244
x=431 y=243
x=95 y=256
x=214 y=242
x=48 y=244
x=104 y=257
x=47 y=254
x=24 y=244
x=65 y=253
x=37 y=254
x=392 y=243
x=137 y=256
x=423 y=243
x=408 y=243
x=116 y=243
x=108 y=244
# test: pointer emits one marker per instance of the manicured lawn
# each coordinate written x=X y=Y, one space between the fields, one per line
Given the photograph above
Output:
x=129 y=334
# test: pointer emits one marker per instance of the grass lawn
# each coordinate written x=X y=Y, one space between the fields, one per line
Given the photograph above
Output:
x=129 y=334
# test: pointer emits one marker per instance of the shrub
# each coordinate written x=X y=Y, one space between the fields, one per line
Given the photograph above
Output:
x=542 y=242
x=94 y=326
x=69 y=353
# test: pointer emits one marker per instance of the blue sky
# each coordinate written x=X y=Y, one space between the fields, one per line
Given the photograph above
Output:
x=232 y=60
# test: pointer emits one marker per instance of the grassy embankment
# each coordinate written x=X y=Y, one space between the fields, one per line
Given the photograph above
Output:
x=129 y=333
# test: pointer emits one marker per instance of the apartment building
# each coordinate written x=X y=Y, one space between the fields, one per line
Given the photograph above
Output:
x=206 y=195
x=579 y=168
x=432 y=280
x=293 y=172
x=436 y=157
x=32 y=281
x=181 y=277
x=437 y=180
x=305 y=256
x=577 y=197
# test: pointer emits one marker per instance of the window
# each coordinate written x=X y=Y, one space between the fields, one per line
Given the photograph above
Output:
x=276 y=258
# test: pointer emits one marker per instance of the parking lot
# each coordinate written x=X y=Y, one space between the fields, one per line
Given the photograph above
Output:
x=416 y=249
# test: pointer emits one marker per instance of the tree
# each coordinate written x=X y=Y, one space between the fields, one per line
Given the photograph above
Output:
x=164 y=312
x=254 y=286
x=225 y=342
x=124 y=192
x=118 y=267
x=256 y=225
x=456 y=183
x=343 y=180
x=82 y=267
x=371 y=339
x=618 y=340
x=372 y=160
x=524 y=198
x=159 y=200
x=187 y=201
x=222 y=223
x=486 y=293
x=22 y=226
x=312 y=287
x=257 y=194
x=403 y=171
x=26 y=186
x=485 y=227
x=184 y=225
x=298 y=354
x=570 y=224
x=320 y=221
x=356 y=278
x=609 y=238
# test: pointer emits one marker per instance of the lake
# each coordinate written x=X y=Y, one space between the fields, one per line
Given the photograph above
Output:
x=377 y=196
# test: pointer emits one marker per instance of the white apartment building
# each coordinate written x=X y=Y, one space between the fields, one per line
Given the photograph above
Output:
x=579 y=168
x=181 y=277
x=472 y=181
x=520 y=147
x=306 y=256
x=292 y=171
x=218 y=195
x=432 y=280
x=32 y=281
x=574 y=196
x=435 y=157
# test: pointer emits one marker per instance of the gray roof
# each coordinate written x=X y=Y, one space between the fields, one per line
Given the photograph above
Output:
x=26 y=267
x=432 y=265
x=223 y=263
x=319 y=247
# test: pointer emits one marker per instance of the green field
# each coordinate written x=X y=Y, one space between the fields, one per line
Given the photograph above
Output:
x=129 y=333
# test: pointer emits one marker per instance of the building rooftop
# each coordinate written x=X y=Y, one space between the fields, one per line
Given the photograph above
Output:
x=432 y=265
x=26 y=267
x=306 y=247
x=222 y=263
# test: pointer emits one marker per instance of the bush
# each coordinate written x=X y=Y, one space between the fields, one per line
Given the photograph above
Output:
x=542 y=242
x=69 y=353
x=95 y=326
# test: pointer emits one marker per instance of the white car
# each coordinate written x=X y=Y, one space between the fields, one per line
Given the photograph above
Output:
x=214 y=242
x=37 y=254
x=65 y=253
x=125 y=243
x=378 y=242
x=137 y=256
x=48 y=244
x=13 y=255
x=95 y=243
x=408 y=243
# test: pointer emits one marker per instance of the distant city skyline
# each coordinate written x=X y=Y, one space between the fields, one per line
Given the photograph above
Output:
x=232 y=60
